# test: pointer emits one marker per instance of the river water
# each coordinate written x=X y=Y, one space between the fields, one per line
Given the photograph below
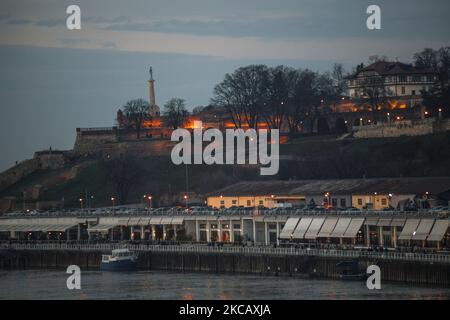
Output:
x=40 y=284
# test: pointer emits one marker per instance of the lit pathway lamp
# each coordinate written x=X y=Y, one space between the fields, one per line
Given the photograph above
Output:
x=149 y=202
x=81 y=203
x=440 y=113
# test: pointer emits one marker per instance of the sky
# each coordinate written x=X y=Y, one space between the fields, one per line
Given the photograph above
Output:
x=53 y=80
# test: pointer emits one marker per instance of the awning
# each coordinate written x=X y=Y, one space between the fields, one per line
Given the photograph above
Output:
x=166 y=220
x=177 y=220
x=340 y=228
x=302 y=227
x=133 y=222
x=409 y=228
x=155 y=220
x=371 y=221
x=288 y=228
x=384 y=222
x=327 y=227
x=101 y=227
x=144 y=221
x=353 y=228
x=124 y=222
x=398 y=222
x=37 y=227
x=423 y=230
x=439 y=229
x=314 y=228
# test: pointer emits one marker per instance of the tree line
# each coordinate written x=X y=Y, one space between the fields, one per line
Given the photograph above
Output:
x=282 y=96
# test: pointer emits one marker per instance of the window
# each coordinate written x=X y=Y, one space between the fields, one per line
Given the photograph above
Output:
x=334 y=202
x=359 y=202
x=343 y=202
x=413 y=92
x=261 y=202
x=384 y=201
x=222 y=202
x=402 y=78
x=403 y=90
x=236 y=226
x=234 y=202
x=249 y=203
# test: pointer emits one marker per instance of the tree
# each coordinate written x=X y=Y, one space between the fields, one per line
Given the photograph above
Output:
x=280 y=95
x=175 y=113
x=124 y=172
x=427 y=58
x=136 y=112
x=243 y=94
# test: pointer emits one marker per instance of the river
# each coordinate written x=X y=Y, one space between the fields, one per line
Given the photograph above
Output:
x=45 y=284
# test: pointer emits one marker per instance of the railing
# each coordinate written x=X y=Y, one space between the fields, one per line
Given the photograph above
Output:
x=353 y=254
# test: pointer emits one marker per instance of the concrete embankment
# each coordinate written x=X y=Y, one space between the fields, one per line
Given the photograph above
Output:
x=436 y=274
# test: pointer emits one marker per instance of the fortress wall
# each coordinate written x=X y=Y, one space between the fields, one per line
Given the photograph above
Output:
x=18 y=172
x=402 y=128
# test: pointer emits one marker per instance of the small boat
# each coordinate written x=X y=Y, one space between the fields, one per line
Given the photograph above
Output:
x=119 y=260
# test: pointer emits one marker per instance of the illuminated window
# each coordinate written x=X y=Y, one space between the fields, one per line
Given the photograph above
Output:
x=249 y=202
x=359 y=202
x=384 y=201
x=234 y=202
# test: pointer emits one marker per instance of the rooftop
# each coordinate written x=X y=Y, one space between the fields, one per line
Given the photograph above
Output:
x=433 y=185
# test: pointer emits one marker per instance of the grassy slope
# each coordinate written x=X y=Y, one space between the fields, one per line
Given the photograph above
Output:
x=316 y=158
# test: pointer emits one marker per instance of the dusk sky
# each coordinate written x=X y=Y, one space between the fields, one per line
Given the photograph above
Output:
x=54 y=80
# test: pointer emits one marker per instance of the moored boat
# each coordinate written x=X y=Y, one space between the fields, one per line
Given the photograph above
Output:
x=119 y=260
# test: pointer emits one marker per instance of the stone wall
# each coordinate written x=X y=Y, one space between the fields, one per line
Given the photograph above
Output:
x=402 y=128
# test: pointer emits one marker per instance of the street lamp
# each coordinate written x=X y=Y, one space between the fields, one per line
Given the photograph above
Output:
x=186 y=199
x=149 y=202
x=113 y=203
x=81 y=203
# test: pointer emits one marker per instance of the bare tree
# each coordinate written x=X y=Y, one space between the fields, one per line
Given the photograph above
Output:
x=375 y=91
x=244 y=93
x=175 y=113
x=124 y=172
x=136 y=112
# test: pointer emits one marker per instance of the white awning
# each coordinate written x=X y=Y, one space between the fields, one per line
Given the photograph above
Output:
x=144 y=221
x=288 y=228
x=101 y=227
x=340 y=228
x=353 y=228
x=177 y=220
x=423 y=230
x=166 y=220
x=133 y=221
x=398 y=222
x=371 y=221
x=314 y=228
x=384 y=222
x=327 y=227
x=155 y=220
x=439 y=229
x=37 y=227
x=301 y=228
x=409 y=228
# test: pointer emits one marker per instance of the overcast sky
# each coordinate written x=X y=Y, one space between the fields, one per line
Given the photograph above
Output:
x=53 y=80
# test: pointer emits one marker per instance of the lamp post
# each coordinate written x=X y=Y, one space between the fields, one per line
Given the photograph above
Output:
x=81 y=203
x=113 y=203
x=90 y=202
x=149 y=203
x=186 y=199
x=440 y=113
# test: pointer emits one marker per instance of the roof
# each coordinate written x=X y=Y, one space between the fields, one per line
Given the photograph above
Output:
x=433 y=185
x=393 y=68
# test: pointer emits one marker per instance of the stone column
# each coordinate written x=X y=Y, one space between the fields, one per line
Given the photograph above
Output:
x=367 y=236
x=278 y=233
x=78 y=232
x=153 y=232
x=121 y=233
x=131 y=233
x=266 y=232
x=142 y=233
x=197 y=230
x=394 y=236
x=254 y=231
x=164 y=231
x=231 y=229
x=174 y=232
x=219 y=231
x=380 y=236
x=208 y=231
